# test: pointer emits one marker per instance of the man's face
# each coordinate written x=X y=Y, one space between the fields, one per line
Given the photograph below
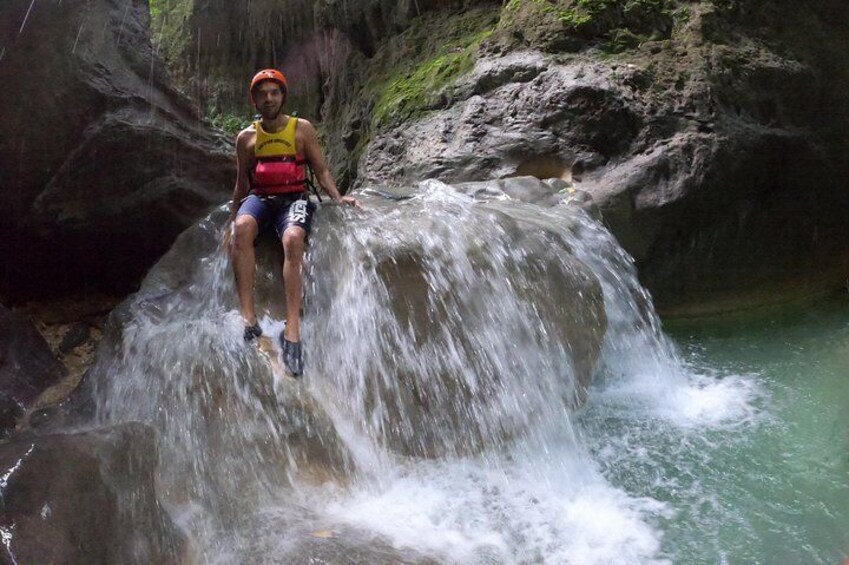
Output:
x=268 y=98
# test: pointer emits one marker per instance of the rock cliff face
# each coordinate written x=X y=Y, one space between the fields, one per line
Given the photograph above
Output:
x=213 y=47
x=708 y=133
x=102 y=163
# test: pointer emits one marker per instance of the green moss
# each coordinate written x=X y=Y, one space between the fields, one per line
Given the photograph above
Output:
x=622 y=40
x=168 y=20
x=230 y=123
x=557 y=25
x=156 y=7
x=574 y=19
x=412 y=87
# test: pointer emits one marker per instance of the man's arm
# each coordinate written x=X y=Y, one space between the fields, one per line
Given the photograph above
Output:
x=243 y=160
x=312 y=153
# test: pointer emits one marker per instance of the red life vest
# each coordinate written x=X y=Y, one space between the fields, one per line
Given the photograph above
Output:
x=278 y=168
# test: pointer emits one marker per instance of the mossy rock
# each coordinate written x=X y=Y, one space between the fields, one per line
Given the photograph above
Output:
x=419 y=73
x=571 y=25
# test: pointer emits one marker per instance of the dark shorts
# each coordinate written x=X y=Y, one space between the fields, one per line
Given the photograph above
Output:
x=280 y=211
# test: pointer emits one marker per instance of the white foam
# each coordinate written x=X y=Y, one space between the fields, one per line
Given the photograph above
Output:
x=687 y=400
x=472 y=511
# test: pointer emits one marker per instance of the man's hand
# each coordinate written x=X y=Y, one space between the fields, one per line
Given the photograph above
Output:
x=350 y=201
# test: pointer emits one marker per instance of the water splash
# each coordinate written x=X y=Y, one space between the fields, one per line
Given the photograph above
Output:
x=448 y=340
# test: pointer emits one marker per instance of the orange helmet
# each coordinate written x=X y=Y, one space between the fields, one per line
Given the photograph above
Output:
x=268 y=74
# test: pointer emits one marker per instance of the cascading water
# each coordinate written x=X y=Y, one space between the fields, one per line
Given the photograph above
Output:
x=443 y=416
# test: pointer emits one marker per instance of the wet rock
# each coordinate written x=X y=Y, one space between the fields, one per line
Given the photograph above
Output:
x=523 y=189
x=367 y=24
x=353 y=548
x=310 y=41
x=513 y=67
x=173 y=355
x=111 y=164
x=27 y=367
x=86 y=497
x=205 y=49
x=481 y=319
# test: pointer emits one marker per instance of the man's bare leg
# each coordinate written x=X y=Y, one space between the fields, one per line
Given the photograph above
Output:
x=294 y=239
x=244 y=265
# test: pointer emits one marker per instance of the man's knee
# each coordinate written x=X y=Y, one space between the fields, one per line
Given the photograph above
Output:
x=293 y=242
x=245 y=231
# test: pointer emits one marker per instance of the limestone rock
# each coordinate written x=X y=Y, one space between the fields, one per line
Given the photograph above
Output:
x=368 y=24
x=460 y=320
x=710 y=157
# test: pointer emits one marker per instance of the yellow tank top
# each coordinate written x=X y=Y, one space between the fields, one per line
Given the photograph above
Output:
x=276 y=144
x=277 y=167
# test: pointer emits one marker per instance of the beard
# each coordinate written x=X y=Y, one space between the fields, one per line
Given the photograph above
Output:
x=269 y=113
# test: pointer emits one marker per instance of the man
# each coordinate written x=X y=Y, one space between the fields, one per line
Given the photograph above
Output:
x=270 y=190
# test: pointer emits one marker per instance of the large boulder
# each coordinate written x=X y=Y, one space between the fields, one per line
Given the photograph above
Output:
x=86 y=497
x=27 y=367
x=425 y=320
x=108 y=164
x=173 y=355
x=449 y=322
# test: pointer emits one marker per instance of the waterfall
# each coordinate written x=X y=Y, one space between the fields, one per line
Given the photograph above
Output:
x=452 y=339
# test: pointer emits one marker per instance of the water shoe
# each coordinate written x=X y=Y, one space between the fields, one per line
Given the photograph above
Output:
x=293 y=358
x=252 y=332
